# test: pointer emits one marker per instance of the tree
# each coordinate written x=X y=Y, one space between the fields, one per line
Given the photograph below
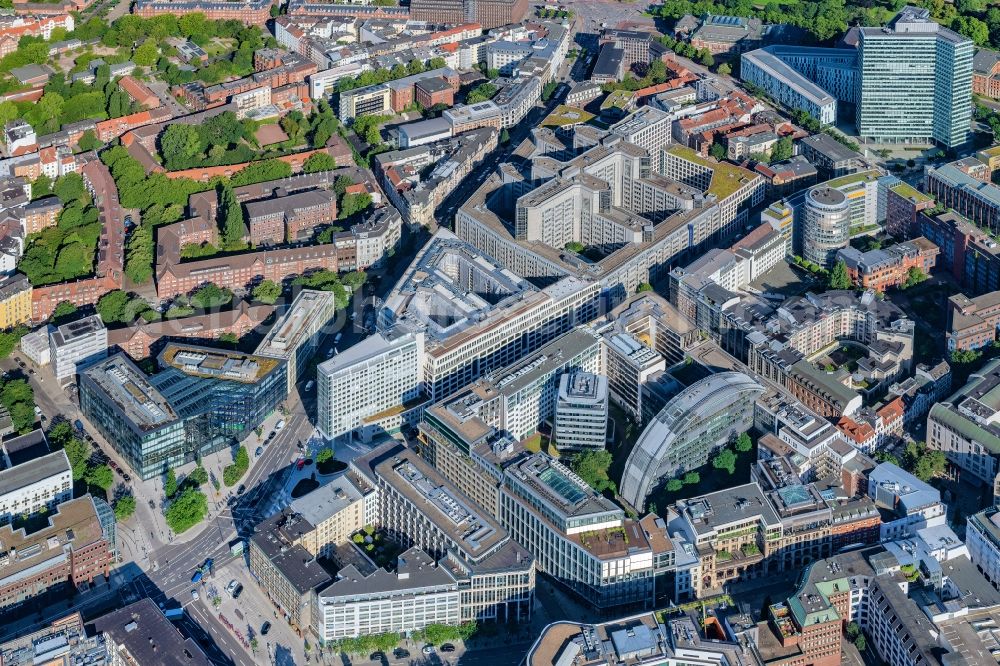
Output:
x=914 y=276
x=717 y=151
x=853 y=630
x=124 y=507
x=592 y=467
x=354 y=203
x=170 y=484
x=644 y=287
x=839 y=277
x=197 y=477
x=100 y=476
x=234 y=472
x=481 y=93
x=860 y=643
x=504 y=136
x=319 y=162
x=211 y=296
x=78 y=452
x=923 y=462
x=179 y=145
x=63 y=311
x=267 y=291
x=743 y=443
x=724 y=69
x=324 y=454
x=139 y=254
x=70 y=188
x=706 y=59
x=354 y=279
x=726 y=460
x=782 y=149
x=692 y=478
x=231 y=212
x=189 y=509
x=673 y=485
x=146 y=54
x=113 y=307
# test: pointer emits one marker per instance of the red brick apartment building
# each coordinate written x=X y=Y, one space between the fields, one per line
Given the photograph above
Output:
x=972 y=322
x=40 y=214
x=882 y=269
x=272 y=221
x=71 y=549
x=138 y=92
x=251 y=12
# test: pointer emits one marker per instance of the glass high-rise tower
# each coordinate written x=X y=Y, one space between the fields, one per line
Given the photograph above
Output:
x=915 y=82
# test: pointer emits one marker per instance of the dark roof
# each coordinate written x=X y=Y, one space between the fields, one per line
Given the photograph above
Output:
x=26 y=447
x=275 y=538
x=149 y=636
x=609 y=60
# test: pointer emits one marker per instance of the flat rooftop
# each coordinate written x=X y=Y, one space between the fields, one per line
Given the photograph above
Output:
x=215 y=363
x=128 y=387
x=310 y=310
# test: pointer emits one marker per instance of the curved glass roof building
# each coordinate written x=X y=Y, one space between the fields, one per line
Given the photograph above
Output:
x=696 y=422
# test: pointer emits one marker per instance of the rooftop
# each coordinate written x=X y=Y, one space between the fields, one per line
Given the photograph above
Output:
x=128 y=387
x=310 y=310
x=149 y=637
x=216 y=363
x=726 y=178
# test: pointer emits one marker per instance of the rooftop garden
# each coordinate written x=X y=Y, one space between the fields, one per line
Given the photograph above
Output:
x=564 y=115
x=726 y=178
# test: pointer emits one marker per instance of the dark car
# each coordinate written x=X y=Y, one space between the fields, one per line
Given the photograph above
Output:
x=447 y=647
x=400 y=653
x=264 y=628
x=241 y=489
x=377 y=656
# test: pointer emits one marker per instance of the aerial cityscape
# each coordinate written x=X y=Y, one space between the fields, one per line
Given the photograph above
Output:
x=497 y=333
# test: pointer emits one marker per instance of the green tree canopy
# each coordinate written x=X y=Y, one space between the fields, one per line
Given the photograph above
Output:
x=267 y=291
x=726 y=460
x=124 y=507
x=189 y=509
x=320 y=161
x=839 y=277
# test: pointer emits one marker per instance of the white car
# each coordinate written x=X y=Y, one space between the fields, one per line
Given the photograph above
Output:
x=309 y=385
x=279 y=425
x=232 y=586
x=194 y=595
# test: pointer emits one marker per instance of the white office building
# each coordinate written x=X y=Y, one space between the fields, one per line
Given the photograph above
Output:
x=76 y=345
x=296 y=335
x=32 y=479
x=581 y=411
x=420 y=592
x=369 y=388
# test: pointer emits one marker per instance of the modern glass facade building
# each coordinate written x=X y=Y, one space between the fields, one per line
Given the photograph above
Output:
x=916 y=82
x=205 y=400
x=694 y=424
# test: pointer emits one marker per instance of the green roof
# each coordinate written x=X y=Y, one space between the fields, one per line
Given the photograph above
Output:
x=967 y=428
x=618 y=98
x=850 y=179
x=726 y=178
x=907 y=191
x=992 y=152
x=566 y=115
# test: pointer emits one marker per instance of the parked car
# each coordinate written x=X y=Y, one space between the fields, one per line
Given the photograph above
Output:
x=279 y=425
x=264 y=628
x=194 y=595
x=309 y=385
x=428 y=649
x=401 y=653
x=242 y=489
x=447 y=647
x=260 y=450
x=232 y=585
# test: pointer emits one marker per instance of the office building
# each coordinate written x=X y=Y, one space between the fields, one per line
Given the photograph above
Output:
x=418 y=593
x=203 y=401
x=930 y=384
x=372 y=387
x=891 y=267
x=965 y=187
x=581 y=414
x=73 y=548
x=639 y=639
x=767 y=69
x=296 y=335
x=118 y=399
x=419 y=507
x=286 y=572
x=222 y=395
x=577 y=536
x=915 y=82
x=829 y=156
x=32 y=479
x=629 y=365
x=648 y=128
x=964 y=426
x=968 y=252
x=982 y=536
x=74 y=346
x=63 y=640
x=907 y=503
x=972 y=322
x=141 y=634
x=703 y=418
x=826 y=225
